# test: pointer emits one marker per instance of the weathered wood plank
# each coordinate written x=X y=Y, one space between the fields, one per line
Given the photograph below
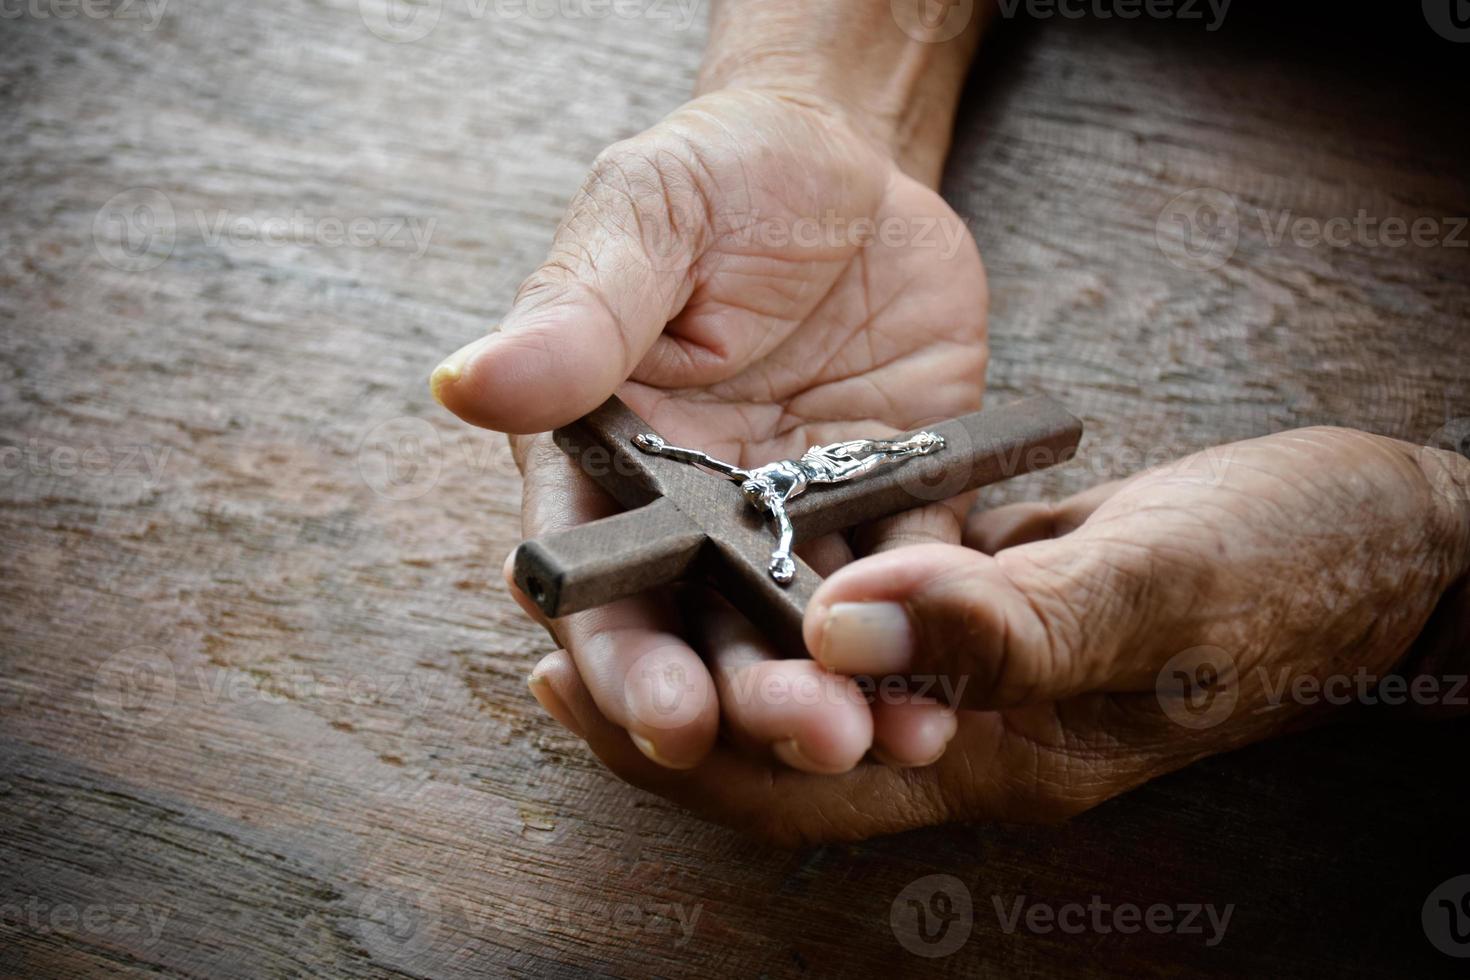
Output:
x=256 y=673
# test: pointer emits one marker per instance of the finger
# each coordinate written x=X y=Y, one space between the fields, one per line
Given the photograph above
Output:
x=619 y=269
x=642 y=674
x=507 y=573
x=783 y=805
x=550 y=677
x=825 y=554
x=1021 y=768
x=910 y=730
x=913 y=732
x=938 y=523
x=645 y=678
x=1004 y=527
x=793 y=709
x=1041 y=622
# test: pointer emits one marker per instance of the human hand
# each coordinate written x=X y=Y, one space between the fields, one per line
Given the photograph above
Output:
x=755 y=274
x=1119 y=635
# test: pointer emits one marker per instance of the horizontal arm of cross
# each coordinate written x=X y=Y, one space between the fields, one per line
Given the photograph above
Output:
x=682 y=521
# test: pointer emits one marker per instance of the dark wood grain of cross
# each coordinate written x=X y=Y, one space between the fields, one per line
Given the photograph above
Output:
x=682 y=522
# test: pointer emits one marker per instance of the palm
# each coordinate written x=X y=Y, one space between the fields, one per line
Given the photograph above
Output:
x=753 y=277
x=803 y=324
x=1161 y=577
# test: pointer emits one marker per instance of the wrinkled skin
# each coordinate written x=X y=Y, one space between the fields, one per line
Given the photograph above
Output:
x=1308 y=554
x=1087 y=644
x=694 y=265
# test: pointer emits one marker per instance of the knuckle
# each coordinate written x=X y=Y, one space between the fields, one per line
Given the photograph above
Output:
x=653 y=188
x=552 y=283
x=649 y=179
x=1060 y=630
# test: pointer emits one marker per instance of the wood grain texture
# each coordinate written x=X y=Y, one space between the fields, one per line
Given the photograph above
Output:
x=258 y=685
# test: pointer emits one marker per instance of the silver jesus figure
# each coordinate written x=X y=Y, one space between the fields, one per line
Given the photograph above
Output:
x=771 y=487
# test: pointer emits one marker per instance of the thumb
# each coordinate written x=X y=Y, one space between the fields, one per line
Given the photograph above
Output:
x=619 y=269
x=1039 y=623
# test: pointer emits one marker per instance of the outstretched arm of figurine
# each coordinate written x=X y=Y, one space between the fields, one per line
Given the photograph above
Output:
x=850 y=460
x=655 y=446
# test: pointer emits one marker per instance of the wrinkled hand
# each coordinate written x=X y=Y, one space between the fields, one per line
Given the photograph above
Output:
x=752 y=276
x=1114 y=637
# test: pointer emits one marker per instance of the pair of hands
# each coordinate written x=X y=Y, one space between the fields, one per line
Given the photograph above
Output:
x=755 y=275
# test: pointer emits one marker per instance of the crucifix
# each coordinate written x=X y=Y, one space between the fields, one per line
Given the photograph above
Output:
x=692 y=515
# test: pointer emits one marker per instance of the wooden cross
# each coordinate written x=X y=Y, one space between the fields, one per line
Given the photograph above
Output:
x=682 y=521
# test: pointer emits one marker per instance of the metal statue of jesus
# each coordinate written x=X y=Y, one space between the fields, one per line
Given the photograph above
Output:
x=771 y=487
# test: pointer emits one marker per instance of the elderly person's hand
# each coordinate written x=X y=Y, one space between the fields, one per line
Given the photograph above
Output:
x=768 y=268
x=1126 y=632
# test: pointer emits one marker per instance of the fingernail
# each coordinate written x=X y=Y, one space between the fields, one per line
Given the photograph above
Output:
x=554 y=706
x=867 y=638
x=450 y=369
x=944 y=730
x=790 y=753
x=646 y=746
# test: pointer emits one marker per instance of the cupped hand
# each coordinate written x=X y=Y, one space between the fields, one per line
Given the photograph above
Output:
x=752 y=276
x=1123 y=633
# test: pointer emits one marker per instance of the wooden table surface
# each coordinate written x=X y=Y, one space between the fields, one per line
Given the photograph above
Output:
x=264 y=705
